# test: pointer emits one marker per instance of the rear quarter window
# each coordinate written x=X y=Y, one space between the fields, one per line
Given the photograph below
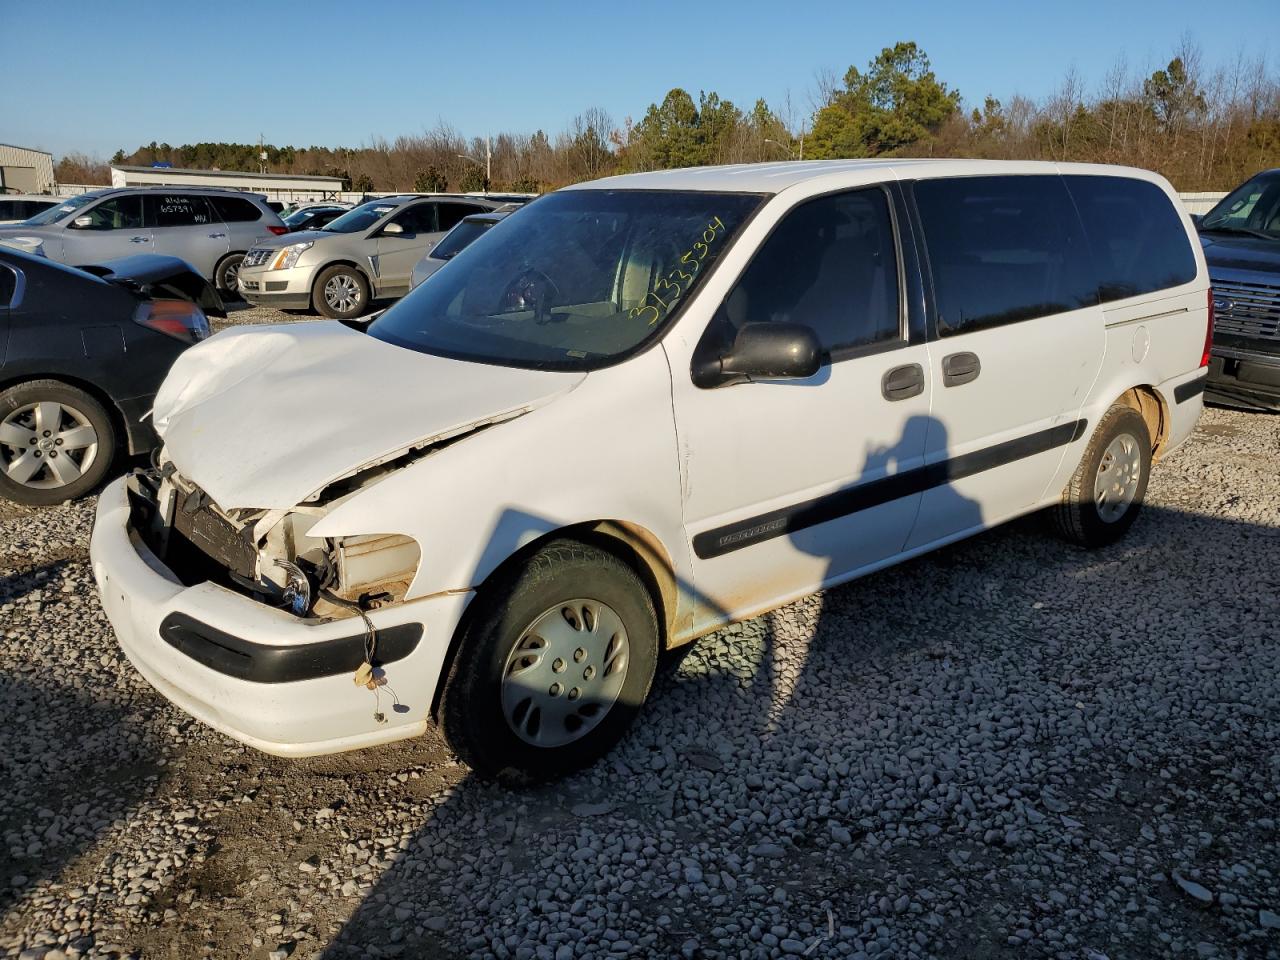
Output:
x=1002 y=250
x=1137 y=236
x=235 y=209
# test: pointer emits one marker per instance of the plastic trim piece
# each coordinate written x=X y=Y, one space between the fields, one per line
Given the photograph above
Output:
x=260 y=663
x=833 y=506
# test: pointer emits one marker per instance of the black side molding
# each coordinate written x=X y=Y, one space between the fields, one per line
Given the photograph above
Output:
x=833 y=506
x=1192 y=388
x=260 y=663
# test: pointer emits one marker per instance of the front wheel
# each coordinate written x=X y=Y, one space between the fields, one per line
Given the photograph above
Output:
x=341 y=293
x=1105 y=494
x=554 y=666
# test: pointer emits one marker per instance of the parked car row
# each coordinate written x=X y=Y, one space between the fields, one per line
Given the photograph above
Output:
x=364 y=254
x=209 y=229
x=783 y=376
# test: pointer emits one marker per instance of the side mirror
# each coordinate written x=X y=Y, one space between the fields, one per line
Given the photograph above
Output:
x=767 y=351
x=393 y=229
x=82 y=223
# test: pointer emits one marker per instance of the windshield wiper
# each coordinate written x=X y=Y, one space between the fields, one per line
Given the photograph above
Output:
x=1246 y=231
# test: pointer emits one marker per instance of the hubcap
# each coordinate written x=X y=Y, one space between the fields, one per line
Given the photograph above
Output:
x=230 y=276
x=565 y=673
x=46 y=445
x=342 y=293
x=1118 y=475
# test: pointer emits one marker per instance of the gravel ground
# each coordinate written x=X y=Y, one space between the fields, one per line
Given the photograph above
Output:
x=1008 y=748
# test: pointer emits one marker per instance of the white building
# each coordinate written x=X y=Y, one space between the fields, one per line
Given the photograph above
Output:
x=25 y=171
x=276 y=186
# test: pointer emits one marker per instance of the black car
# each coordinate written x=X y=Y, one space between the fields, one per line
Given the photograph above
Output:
x=311 y=218
x=1241 y=239
x=82 y=353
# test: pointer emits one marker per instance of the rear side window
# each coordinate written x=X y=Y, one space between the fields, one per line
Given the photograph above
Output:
x=451 y=214
x=830 y=264
x=1003 y=249
x=176 y=210
x=235 y=209
x=1137 y=237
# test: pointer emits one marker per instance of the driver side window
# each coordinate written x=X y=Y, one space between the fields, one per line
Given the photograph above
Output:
x=117 y=213
x=830 y=264
x=419 y=219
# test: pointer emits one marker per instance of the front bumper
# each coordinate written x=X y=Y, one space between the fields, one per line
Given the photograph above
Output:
x=276 y=714
x=285 y=289
x=1244 y=378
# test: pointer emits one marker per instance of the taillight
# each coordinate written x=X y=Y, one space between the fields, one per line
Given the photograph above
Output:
x=179 y=319
x=278 y=231
x=1208 y=333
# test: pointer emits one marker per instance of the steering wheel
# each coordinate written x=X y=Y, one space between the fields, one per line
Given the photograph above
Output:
x=531 y=290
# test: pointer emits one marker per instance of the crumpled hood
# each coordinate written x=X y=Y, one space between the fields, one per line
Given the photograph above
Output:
x=265 y=417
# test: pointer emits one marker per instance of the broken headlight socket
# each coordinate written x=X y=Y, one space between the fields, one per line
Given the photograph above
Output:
x=295 y=594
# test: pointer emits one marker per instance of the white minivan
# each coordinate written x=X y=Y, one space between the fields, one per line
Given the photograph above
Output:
x=646 y=407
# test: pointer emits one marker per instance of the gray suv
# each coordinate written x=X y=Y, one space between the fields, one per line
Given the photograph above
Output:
x=210 y=229
x=366 y=254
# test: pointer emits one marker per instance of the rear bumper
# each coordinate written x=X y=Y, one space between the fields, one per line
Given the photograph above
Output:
x=258 y=674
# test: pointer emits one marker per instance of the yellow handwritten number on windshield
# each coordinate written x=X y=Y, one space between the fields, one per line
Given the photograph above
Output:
x=667 y=290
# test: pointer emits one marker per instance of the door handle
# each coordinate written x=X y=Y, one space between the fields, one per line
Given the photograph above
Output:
x=960 y=368
x=902 y=383
x=216 y=236
x=139 y=239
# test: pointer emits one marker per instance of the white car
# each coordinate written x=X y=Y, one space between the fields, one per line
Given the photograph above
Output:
x=644 y=408
x=17 y=207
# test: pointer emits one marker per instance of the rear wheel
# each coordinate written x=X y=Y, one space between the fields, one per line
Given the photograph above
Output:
x=554 y=666
x=56 y=442
x=226 y=275
x=1105 y=494
x=341 y=293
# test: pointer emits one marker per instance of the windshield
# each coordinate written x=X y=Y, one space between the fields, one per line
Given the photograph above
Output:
x=1253 y=209
x=579 y=279
x=459 y=238
x=360 y=218
x=62 y=210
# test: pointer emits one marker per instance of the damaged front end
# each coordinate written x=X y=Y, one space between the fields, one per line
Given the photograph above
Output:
x=269 y=555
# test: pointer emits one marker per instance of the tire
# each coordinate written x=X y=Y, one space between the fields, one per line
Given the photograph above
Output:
x=41 y=421
x=226 y=274
x=330 y=303
x=562 y=580
x=1120 y=447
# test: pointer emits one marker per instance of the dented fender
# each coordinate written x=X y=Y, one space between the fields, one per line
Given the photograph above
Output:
x=473 y=504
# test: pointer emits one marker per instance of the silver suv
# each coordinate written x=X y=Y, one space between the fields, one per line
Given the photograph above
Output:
x=367 y=253
x=210 y=229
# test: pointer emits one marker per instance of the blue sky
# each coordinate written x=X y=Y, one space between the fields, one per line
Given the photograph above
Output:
x=94 y=76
